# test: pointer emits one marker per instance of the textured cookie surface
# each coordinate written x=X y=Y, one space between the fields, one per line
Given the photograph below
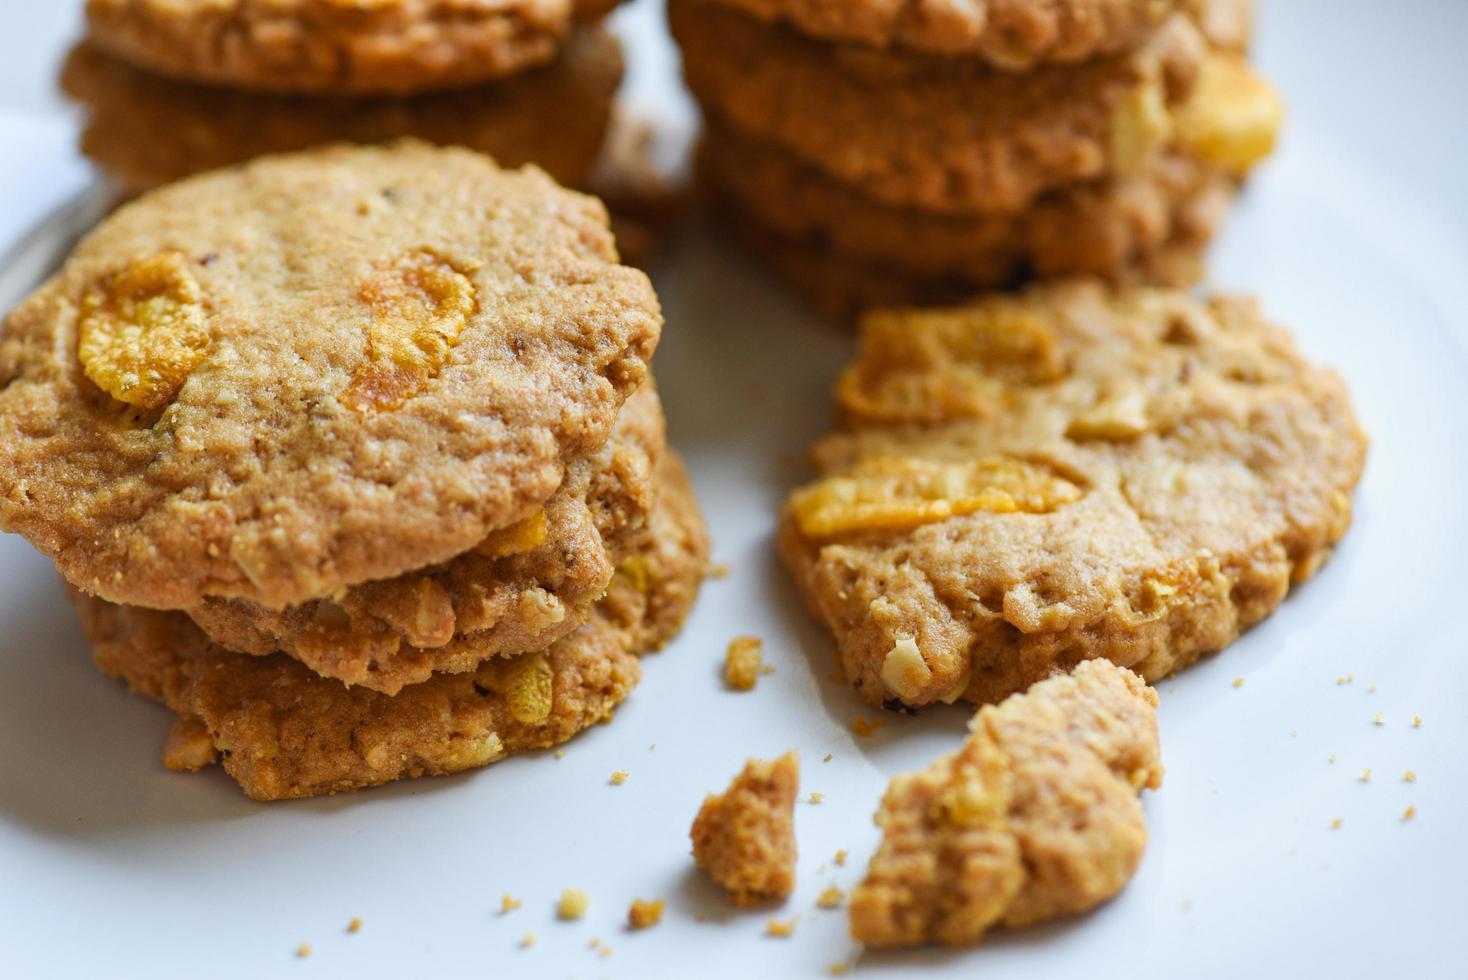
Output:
x=148 y=130
x=745 y=837
x=336 y=46
x=281 y=731
x=1035 y=817
x=1074 y=472
x=317 y=370
x=521 y=589
x=1011 y=34
x=936 y=133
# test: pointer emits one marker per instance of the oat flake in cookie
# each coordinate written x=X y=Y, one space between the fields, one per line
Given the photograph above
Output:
x=1074 y=472
x=277 y=381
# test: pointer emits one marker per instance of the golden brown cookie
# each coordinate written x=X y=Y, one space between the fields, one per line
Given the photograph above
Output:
x=938 y=134
x=1034 y=818
x=745 y=837
x=316 y=370
x=520 y=589
x=283 y=732
x=337 y=47
x=1011 y=34
x=147 y=130
x=1074 y=472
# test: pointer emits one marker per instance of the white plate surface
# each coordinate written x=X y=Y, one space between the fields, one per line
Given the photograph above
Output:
x=1356 y=236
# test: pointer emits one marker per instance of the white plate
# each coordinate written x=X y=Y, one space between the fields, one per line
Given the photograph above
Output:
x=110 y=866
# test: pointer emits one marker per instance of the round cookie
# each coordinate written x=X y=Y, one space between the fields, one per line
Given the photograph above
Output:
x=521 y=589
x=1011 y=34
x=339 y=47
x=1074 y=472
x=148 y=130
x=275 y=382
x=932 y=133
x=283 y=732
x=1101 y=228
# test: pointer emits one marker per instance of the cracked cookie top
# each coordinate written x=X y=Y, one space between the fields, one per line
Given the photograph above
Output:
x=274 y=382
x=1074 y=472
x=337 y=46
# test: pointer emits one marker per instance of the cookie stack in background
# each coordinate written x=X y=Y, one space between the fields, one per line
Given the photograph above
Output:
x=171 y=88
x=353 y=458
x=881 y=154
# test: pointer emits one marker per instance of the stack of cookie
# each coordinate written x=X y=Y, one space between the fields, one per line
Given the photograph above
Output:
x=888 y=154
x=172 y=88
x=353 y=459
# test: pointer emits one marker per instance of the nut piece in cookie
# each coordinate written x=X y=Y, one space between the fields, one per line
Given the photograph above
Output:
x=745 y=838
x=1035 y=817
x=1077 y=471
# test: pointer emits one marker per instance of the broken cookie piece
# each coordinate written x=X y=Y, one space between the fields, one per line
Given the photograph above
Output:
x=1035 y=817
x=745 y=838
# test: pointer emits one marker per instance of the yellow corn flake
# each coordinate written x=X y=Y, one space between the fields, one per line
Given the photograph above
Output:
x=1409 y=776
x=619 y=777
x=637 y=573
x=742 y=662
x=518 y=538
x=1409 y=813
x=778 y=929
x=528 y=686
x=1119 y=415
x=936 y=365
x=645 y=915
x=898 y=494
x=1140 y=126
x=419 y=306
x=1233 y=117
x=355 y=926
x=573 y=904
x=141 y=331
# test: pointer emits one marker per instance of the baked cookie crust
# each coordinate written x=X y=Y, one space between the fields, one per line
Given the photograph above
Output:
x=1035 y=817
x=341 y=47
x=930 y=133
x=282 y=732
x=316 y=370
x=1015 y=35
x=148 y=130
x=520 y=590
x=1075 y=472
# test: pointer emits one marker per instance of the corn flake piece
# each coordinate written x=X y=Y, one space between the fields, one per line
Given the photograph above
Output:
x=528 y=686
x=141 y=331
x=516 y=539
x=898 y=494
x=1233 y=117
x=1140 y=126
x=419 y=305
x=937 y=365
x=742 y=662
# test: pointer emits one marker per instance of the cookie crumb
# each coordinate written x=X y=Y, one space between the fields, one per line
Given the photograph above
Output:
x=1238 y=682
x=827 y=758
x=778 y=929
x=355 y=926
x=838 y=969
x=1335 y=824
x=1409 y=813
x=1331 y=760
x=644 y=915
x=560 y=753
x=600 y=947
x=573 y=904
x=1365 y=775
x=862 y=728
x=527 y=940
x=509 y=903
x=841 y=858
x=1416 y=721
x=303 y=951
x=817 y=797
x=745 y=837
x=743 y=661
x=619 y=777
x=831 y=898
x=1372 y=688
x=1409 y=776
x=718 y=570
x=1379 y=719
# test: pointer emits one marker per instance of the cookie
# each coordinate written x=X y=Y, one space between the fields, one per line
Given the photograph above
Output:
x=745 y=837
x=147 y=130
x=1101 y=228
x=1074 y=472
x=521 y=589
x=339 y=47
x=1011 y=34
x=937 y=134
x=283 y=732
x=839 y=286
x=1036 y=817
x=275 y=382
